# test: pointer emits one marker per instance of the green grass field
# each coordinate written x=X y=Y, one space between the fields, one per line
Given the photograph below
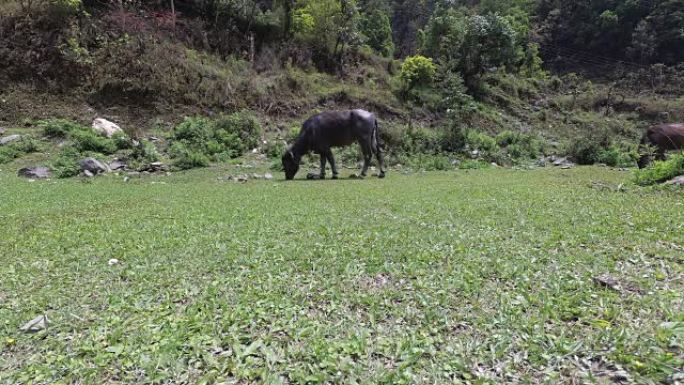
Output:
x=481 y=276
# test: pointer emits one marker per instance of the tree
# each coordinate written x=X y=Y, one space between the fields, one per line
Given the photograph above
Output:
x=376 y=28
x=416 y=71
x=644 y=43
x=470 y=45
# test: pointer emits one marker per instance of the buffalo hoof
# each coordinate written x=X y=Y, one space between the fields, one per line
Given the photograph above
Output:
x=335 y=176
x=381 y=175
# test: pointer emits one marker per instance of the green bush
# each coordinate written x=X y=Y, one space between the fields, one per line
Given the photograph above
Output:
x=185 y=158
x=66 y=164
x=661 y=171
x=273 y=149
x=122 y=141
x=616 y=156
x=83 y=137
x=239 y=131
x=90 y=141
x=143 y=154
x=199 y=140
x=421 y=141
x=585 y=151
x=59 y=128
x=480 y=141
x=519 y=145
x=19 y=148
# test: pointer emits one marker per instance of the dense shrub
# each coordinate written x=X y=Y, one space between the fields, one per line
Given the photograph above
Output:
x=480 y=141
x=618 y=156
x=590 y=150
x=199 y=140
x=58 y=128
x=520 y=145
x=661 y=171
x=83 y=138
x=90 y=141
x=66 y=164
x=273 y=149
x=585 y=151
x=144 y=153
x=19 y=148
x=184 y=158
x=421 y=141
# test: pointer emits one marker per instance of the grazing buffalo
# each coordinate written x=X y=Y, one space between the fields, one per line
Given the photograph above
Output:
x=330 y=129
x=663 y=137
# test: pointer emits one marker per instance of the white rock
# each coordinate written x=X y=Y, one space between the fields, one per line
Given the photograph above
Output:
x=105 y=127
x=113 y=262
x=37 y=324
x=678 y=181
x=9 y=139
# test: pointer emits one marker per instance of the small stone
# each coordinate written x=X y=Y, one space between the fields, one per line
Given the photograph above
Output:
x=117 y=165
x=607 y=282
x=88 y=174
x=242 y=178
x=268 y=176
x=8 y=139
x=113 y=262
x=93 y=165
x=35 y=325
x=126 y=179
x=39 y=172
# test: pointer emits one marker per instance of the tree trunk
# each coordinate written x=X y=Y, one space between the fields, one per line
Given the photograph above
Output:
x=173 y=16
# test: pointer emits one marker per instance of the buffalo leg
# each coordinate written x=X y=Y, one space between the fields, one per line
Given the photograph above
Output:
x=321 y=175
x=381 y=162
x=367 y=155
x=331 y=160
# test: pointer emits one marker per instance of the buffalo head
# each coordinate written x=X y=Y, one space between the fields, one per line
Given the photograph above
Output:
x=290 y=165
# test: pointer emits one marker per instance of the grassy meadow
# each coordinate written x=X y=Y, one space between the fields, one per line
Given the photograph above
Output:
x=482 y=276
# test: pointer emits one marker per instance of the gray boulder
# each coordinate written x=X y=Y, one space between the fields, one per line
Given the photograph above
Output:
x=93 y=165
x=563 y=163
x=117 y=165
x=677 y=181
x=39 y=172
x=9 y=139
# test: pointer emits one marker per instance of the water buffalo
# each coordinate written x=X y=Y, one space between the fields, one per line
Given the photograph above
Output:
x=330 y=129
x=663 y=137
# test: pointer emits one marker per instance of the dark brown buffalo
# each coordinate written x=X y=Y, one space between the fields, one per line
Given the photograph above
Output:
x=321 y=132
x=663 y=137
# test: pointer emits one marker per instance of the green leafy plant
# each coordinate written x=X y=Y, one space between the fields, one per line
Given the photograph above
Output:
x=660 y=171
x=66 y=164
